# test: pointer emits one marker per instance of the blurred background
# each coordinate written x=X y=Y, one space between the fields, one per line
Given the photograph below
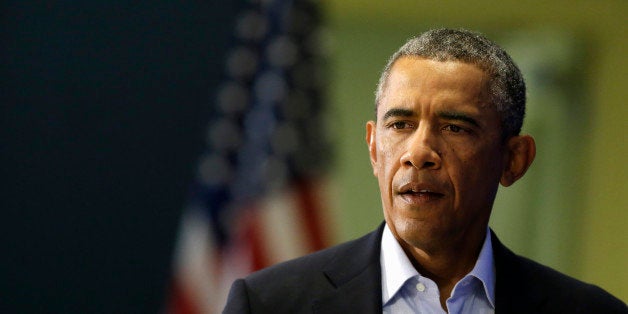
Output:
x=113 y=161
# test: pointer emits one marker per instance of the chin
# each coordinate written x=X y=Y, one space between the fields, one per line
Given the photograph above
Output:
x=413 y=232
x=419 y=234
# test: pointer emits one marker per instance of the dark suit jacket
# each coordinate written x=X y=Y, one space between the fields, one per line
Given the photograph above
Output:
x=347 y=279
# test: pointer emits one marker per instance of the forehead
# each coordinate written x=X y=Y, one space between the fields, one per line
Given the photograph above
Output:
x=418 y=80
x=421 y=72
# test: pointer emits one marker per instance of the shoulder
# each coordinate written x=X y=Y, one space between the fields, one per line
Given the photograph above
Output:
x=520 y=279
x=286 y=287
x=565 y=290
x=359 y=251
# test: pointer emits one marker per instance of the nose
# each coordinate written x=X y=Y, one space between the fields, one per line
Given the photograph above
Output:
x=422 y=151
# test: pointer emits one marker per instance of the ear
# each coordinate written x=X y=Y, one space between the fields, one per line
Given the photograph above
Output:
x=519 y=156
x=371 y=143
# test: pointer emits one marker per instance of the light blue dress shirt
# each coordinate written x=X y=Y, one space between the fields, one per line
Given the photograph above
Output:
x=404 y=290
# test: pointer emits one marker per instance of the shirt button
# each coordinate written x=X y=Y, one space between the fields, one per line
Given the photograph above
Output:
x=420 y=286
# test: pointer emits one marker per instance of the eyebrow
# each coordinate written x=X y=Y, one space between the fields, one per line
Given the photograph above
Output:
x=459 y=116
x=398 y=112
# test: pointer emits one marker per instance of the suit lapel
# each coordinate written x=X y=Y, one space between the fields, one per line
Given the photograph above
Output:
x=355 y=275
x=514 y=293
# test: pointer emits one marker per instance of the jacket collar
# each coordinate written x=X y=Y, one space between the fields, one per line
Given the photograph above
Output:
x=513 y=291
x=356 y=276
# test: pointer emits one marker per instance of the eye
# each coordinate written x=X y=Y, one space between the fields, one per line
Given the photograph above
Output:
x=453 y=128
x=400 y=125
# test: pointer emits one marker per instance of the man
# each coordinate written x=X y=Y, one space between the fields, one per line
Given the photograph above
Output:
x=449 y=110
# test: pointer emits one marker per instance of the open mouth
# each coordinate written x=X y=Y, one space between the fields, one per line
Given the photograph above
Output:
x=416 y=194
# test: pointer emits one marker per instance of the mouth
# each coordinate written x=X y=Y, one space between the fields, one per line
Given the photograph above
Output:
x=415 y=193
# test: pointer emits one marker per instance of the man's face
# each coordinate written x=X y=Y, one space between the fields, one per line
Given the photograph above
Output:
x=437 y=152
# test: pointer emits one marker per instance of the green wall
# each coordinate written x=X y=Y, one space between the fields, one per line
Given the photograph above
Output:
x=570 y=211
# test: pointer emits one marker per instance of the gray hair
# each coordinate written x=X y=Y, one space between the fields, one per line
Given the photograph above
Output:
x=506 y=86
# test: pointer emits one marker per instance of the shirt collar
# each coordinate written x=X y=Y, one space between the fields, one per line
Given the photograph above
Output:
x=397 y=268
x=484 y=268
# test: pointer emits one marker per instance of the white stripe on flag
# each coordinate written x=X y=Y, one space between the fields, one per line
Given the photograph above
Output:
x=282 y=227
x=195 y=260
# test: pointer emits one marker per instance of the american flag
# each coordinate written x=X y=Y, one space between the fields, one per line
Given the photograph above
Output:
x=257 y=197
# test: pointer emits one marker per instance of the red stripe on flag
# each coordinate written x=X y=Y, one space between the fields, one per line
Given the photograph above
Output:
x=180 y=300
x=253 y=238
x=310 y=208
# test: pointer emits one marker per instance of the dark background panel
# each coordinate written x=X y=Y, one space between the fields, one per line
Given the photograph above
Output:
x=104 y=106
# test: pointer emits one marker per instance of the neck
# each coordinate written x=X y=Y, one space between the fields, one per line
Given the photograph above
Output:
x=449 y=263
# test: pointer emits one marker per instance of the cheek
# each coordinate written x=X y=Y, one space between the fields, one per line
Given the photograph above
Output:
x=387 y=167
x=384 y=146
x=388 y=162
x=387 y=148
x=474 y=156
x=474 y=173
